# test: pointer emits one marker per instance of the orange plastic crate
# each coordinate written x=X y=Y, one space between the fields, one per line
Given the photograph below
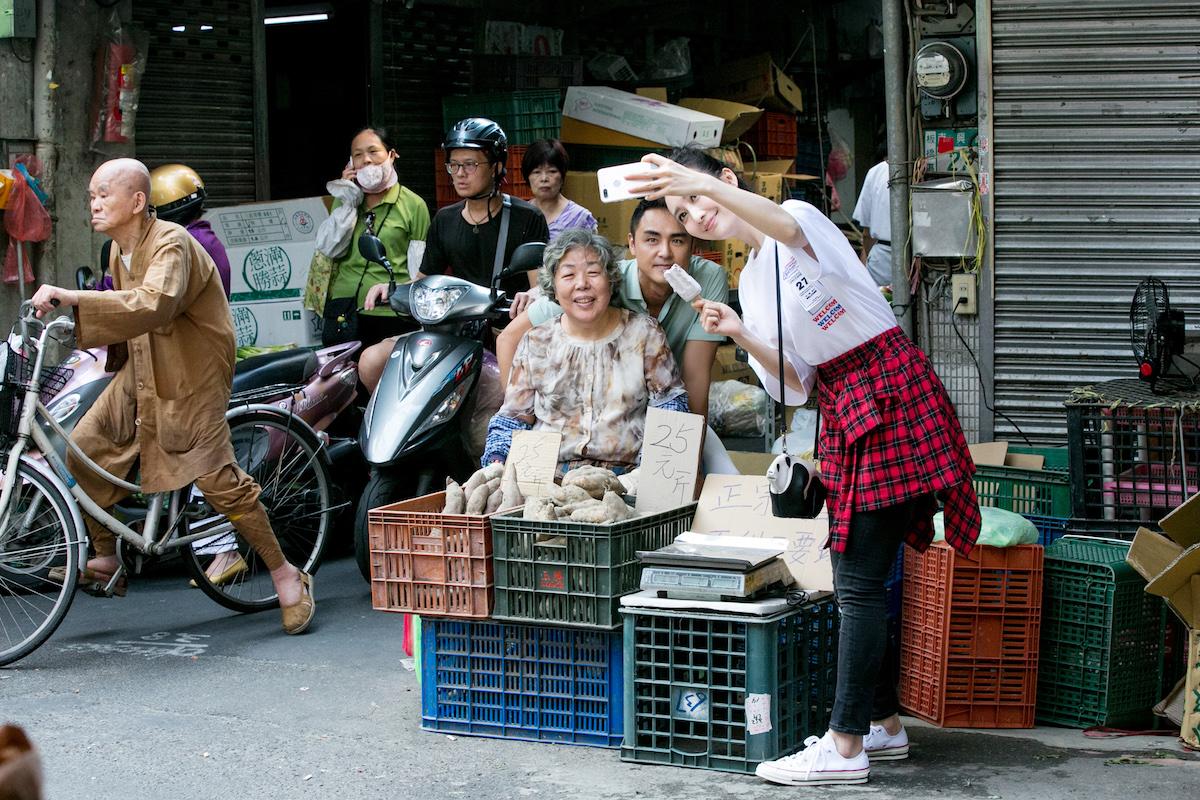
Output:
x=514 y=181
x=430 y=563
x=970 y=633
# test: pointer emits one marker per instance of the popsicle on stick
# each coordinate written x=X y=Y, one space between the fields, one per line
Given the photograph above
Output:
x=684 y=284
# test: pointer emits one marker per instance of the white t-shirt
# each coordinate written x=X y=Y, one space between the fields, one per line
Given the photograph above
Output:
x=830 y=305
x=873 y=209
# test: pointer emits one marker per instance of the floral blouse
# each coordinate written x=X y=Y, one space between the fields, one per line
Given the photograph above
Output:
x=594 y=393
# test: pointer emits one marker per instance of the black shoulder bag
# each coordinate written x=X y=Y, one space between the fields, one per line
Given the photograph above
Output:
x=796 y=490
x=339 y=318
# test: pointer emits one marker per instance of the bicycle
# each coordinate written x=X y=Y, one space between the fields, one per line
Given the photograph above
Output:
x=41 y=505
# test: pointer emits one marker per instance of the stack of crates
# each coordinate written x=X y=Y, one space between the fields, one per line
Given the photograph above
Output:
x=726 y=691
x=1135 y=453
x=1041 y=496
x=773 y=136
x=970 y=629
x=548 y=664
x=525 y=116
x=1102 y=638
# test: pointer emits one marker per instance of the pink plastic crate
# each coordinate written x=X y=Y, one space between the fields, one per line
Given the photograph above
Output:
x=1154 y=485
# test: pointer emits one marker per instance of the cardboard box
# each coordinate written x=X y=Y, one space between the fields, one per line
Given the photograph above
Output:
x=758 y=81
x=574 y=131
x=769 y=185
x=751 y=463
x=783 y=166
x=727 y=367
x=1171 y=566
x=738 y=117
x=739 y=505
x=734 y=253
x=612 y=219
x=270 y=246
x=642 y=117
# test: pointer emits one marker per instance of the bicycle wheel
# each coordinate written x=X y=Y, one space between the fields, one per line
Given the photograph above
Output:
x=38 y=534
x=295 y=483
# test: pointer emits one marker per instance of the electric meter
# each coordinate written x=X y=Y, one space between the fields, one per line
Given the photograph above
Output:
x=941 y=70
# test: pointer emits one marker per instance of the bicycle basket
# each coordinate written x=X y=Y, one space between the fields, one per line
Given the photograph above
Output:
x=17 y=371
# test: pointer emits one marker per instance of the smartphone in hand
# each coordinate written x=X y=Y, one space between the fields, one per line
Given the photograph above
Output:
x=614 y=186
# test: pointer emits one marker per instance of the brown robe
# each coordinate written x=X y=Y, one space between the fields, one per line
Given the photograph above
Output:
x=167 y=402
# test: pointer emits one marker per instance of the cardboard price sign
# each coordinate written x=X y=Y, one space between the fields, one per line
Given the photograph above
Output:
x=670 y=460
x=534 y=455
x=740 y=505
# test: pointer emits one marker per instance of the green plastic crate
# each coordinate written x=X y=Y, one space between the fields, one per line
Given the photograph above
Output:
x=573 y=573
x=1029 y=492
x=688 y=675
x=589 y=158
x=524 y=116
x=1102 y=638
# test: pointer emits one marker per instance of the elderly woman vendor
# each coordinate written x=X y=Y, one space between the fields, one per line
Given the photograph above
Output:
x=592 y=373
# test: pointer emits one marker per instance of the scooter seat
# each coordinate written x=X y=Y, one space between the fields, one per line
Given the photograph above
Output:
x=269 y=369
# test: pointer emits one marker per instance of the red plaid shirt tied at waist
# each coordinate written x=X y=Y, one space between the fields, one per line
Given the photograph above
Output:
x=890 y=434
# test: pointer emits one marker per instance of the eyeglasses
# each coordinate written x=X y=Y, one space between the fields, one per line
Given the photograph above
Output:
x=467 y=167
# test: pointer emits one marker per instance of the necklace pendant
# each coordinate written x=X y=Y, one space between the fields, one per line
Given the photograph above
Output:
x=475 y=229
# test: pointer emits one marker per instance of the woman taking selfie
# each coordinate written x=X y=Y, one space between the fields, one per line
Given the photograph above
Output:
x=890 y=438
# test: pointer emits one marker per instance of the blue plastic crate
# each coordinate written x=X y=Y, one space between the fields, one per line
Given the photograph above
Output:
x=1050 y=529
x=517 y=681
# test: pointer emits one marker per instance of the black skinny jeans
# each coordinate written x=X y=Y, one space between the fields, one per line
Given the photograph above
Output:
x=865 y=690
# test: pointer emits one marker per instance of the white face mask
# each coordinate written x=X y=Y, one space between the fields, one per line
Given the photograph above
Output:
x=375 y=177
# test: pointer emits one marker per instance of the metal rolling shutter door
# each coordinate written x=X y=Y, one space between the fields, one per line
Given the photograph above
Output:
x=426 y=55
x=197 y=102
x=1097 y=159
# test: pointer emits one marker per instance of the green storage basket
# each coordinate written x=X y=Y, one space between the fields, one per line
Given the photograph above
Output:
x=1102 y=638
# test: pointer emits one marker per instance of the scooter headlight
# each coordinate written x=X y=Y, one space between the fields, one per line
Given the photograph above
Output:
x=431 y=305
x=447 y=409
x=65 y=407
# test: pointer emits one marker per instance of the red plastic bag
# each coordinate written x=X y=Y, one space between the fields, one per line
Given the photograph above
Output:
x=25 y=220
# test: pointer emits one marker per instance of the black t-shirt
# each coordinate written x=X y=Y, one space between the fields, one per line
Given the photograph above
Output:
x=452 y=247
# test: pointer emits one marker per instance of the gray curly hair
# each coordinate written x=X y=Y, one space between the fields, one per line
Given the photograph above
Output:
x=569 y=240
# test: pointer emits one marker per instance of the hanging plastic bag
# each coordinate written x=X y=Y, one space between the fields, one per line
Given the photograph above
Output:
x=120 y=65
x=334 y=234
x=25 y=220
x=673 y=60
x=738 y=409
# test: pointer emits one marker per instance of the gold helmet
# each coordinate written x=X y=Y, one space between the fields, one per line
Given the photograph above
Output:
x=176 y=192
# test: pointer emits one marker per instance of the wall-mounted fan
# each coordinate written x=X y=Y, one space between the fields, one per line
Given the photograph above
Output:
x=1155 y=330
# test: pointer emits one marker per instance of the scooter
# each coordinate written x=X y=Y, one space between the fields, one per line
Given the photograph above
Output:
x=411 y=434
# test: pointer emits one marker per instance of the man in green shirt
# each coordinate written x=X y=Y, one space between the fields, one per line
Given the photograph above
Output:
x=657 y=241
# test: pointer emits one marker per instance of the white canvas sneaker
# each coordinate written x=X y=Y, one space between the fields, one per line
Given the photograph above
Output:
x=882 y=746
x=818 y=764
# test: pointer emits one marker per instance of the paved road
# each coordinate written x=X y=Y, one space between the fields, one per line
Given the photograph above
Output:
x=251 y=713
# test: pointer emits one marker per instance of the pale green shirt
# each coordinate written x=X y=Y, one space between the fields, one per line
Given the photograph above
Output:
x=679 y=321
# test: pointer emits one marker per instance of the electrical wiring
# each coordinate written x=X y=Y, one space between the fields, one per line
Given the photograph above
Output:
x=979 y=374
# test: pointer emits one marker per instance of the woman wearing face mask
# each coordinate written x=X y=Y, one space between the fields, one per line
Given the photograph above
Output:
x=545 y=168
x=399 y=217
x=890 y=439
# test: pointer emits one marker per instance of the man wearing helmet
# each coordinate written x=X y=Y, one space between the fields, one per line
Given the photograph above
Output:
x=177 y=194
x=463 y=237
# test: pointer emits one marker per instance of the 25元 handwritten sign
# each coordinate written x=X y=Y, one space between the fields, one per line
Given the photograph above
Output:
x=740 y=505
x=534 y=455
x=670 y=460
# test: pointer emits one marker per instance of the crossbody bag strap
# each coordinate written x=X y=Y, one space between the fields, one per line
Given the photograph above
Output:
x=779 y=323
x=502 y=241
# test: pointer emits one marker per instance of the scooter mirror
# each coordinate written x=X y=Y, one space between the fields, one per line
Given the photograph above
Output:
x=85 y=278
x=371 y=248
x=526 y=257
